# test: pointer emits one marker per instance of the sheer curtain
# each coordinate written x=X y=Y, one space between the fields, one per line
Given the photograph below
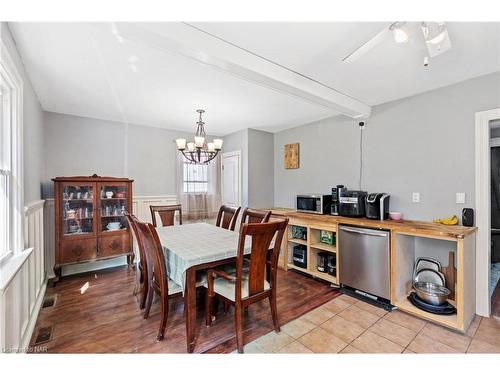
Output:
x=198 y=188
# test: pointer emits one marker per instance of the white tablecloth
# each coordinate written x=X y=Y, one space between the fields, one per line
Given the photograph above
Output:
x=192 y=244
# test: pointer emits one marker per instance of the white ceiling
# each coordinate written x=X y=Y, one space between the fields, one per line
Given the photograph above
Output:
x=80 y=69
x=388 y=72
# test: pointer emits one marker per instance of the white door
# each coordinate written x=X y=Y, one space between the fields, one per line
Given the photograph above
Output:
x=231 y=178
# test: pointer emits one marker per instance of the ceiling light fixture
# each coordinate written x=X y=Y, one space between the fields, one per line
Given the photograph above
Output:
x=436 y=37
x=439 y=32
x=400 y=36
x=199 y=151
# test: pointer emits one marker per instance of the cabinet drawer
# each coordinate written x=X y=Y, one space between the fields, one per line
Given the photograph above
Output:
x=78 y=250
x=114 y=245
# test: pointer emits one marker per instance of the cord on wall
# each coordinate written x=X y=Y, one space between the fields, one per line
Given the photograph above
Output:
x=361 y=127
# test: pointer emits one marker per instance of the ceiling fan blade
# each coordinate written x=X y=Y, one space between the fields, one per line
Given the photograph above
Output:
x=368 y=45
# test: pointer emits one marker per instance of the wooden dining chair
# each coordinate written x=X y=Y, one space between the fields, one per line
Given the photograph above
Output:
x=141 y=280
x=227 y=217
x=245 y=288
x=251 y=216
x=159 y=282
x=167 y=214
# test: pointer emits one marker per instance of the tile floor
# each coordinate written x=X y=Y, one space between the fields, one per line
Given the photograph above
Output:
x=347 y=325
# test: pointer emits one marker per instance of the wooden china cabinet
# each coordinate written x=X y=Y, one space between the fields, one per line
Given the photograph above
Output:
x=89 y=220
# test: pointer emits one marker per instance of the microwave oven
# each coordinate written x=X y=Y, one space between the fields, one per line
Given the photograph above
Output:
x=314 y=203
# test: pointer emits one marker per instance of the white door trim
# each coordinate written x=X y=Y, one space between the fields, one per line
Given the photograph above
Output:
x=483 y=209
x=229 y=154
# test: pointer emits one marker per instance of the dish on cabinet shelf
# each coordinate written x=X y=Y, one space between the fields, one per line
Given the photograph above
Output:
x=429 y=275
x=430 y=263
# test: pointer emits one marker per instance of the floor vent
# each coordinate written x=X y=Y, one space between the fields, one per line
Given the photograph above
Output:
x=49 y=301
x=44 y=335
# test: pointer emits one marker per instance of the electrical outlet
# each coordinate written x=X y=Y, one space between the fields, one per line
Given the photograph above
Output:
x=415 y=197
x=460 y=198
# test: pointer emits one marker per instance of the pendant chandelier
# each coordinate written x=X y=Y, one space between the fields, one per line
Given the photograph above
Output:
x=199 y=151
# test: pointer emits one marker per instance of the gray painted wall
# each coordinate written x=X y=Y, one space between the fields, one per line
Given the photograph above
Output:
x=32 y=125
x=83 y=146
x=257 y=154
x=424 y=144
x=260 y=169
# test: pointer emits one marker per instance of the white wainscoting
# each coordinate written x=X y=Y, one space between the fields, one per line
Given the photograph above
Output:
x=140 y=208
x=23 y=285
x=140 y=205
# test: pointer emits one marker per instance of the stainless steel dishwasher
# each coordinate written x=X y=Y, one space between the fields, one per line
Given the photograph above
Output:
x=365 y=261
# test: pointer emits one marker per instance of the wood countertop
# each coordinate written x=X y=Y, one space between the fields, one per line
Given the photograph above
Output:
x=423 y=228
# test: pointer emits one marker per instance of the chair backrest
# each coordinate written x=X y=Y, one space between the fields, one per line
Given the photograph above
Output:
x=156 y=264
x=167 y=214
x=251 y=216
x=132 y=224
x=261 y=234
x=227 y=217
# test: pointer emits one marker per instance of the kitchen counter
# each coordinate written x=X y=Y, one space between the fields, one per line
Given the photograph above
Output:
x=424 y=228
x=405 y=239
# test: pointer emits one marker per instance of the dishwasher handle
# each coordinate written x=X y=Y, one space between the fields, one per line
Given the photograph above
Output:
x=369 y=232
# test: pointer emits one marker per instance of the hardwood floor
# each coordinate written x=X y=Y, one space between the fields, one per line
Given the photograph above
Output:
x=96 y=313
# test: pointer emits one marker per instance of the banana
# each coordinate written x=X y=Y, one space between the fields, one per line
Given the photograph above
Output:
x=452 y=220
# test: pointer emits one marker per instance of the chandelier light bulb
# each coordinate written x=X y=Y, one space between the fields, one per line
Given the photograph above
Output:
x=218 y=144
x=190 y=146
x=181 y=143
x=199 y=141
x=211 y=147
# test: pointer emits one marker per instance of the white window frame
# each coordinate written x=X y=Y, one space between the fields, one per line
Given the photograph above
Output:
x=185 y=164
x=16 y=189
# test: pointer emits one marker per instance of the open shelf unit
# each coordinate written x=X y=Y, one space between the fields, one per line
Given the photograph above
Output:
x=297 y=241
x=407 y=247
x=314 y=246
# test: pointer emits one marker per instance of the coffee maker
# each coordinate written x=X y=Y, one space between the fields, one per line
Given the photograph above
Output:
x=335 y=199
x=377 y=206
x=352 y=203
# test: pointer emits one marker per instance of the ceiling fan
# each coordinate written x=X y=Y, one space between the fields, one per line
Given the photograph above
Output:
x=435 y=35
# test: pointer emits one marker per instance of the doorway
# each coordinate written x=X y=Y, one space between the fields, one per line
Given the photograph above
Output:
x=231 y=178
x=487 y=177
x=494 y=286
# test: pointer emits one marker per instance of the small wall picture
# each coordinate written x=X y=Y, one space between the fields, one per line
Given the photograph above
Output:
x=292 y=156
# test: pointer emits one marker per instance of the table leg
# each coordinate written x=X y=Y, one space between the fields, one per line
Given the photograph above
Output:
x=190 y=308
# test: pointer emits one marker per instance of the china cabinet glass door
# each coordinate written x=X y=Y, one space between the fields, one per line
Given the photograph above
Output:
x=114 y=198
x=77 y=209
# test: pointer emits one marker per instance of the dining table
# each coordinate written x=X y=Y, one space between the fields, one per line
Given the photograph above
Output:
x=194 y=248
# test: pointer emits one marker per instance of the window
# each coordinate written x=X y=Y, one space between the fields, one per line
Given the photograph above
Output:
x=195 y=178
x=5 y=166
x=11 y=182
